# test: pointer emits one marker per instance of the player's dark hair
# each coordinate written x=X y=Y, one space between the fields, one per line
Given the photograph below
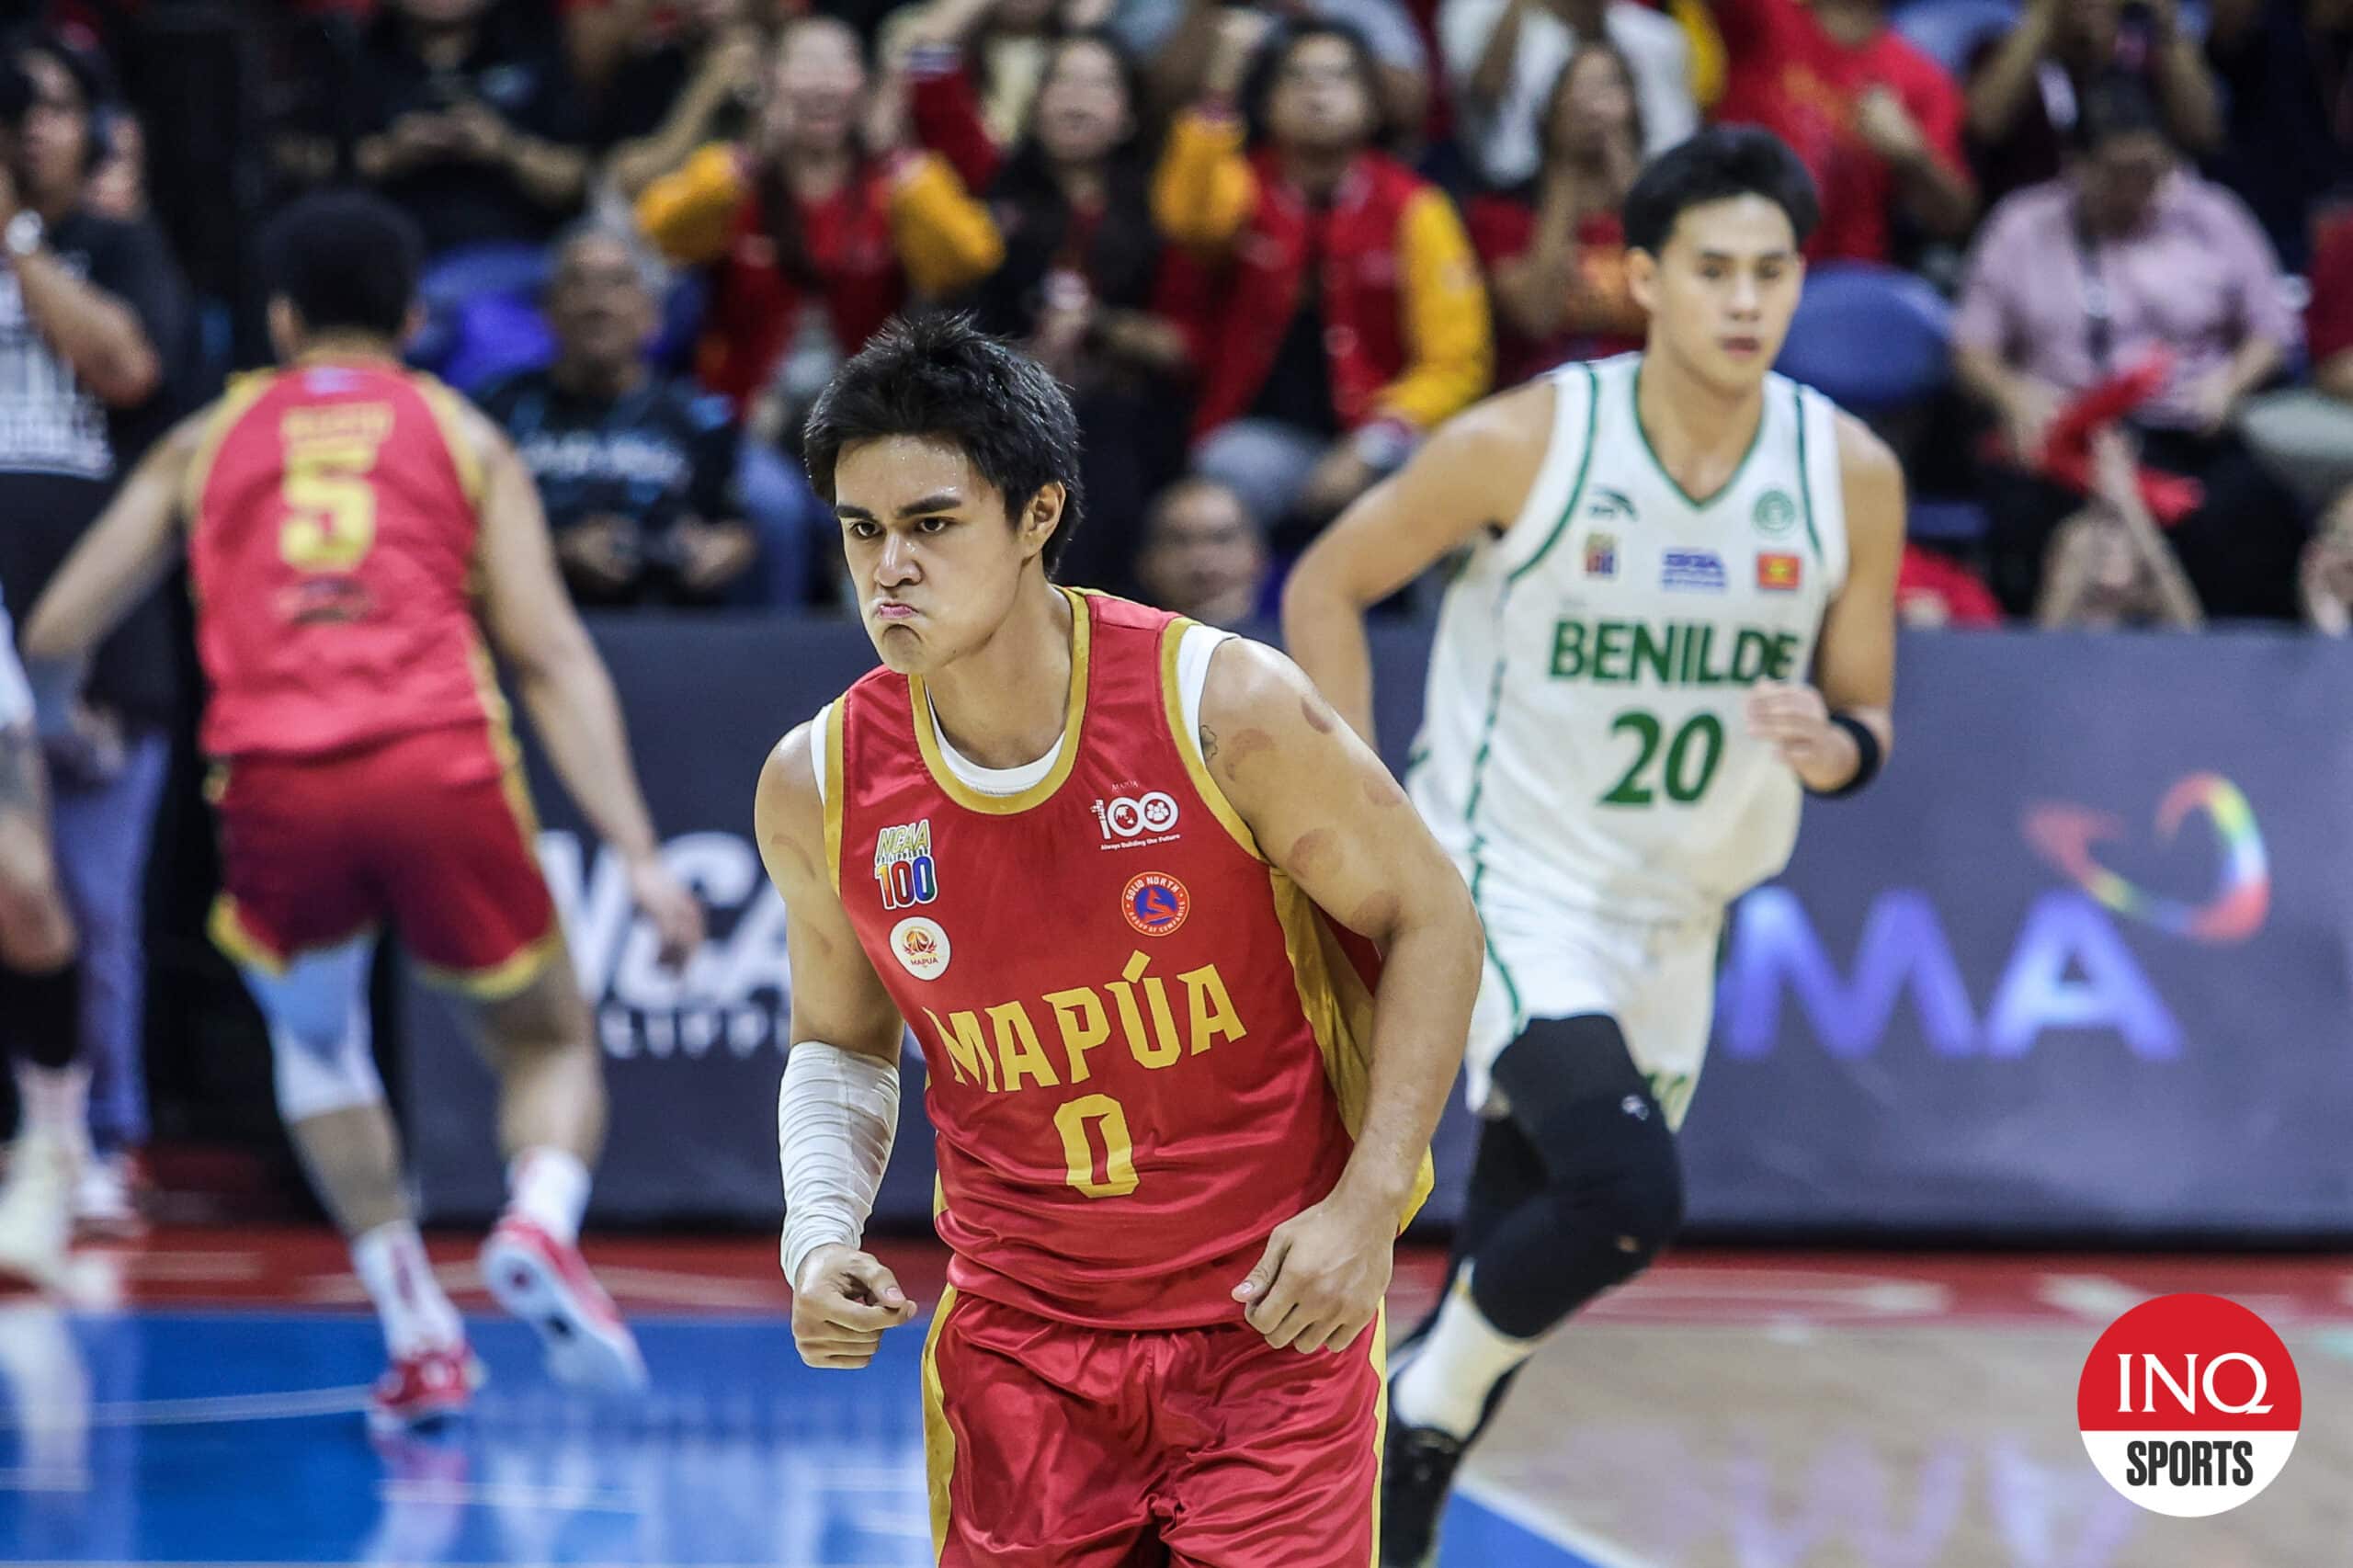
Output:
x=346 y=260
x=1718 y=163
x=939 y=376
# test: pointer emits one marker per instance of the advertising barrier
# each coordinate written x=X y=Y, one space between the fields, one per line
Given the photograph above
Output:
x=2079 y=962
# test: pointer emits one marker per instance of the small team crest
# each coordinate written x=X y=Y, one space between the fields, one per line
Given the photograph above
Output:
x=1601 y=555
x=903 y=865
x=1779 y=572
x=1692 y=570
x=1775 y=513
x=921 y=947
x=1156 y=903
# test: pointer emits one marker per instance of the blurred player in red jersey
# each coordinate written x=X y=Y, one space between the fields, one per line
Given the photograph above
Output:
x=343 y=516
x=1190 y=982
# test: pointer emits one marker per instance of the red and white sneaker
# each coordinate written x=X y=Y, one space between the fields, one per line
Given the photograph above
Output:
x=546 y=1283
x=419 y=1390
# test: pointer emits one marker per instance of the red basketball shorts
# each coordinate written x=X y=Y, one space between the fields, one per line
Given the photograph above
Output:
x=431 y=831
x=1050 y=1446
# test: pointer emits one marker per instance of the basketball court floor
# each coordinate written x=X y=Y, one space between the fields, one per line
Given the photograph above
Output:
x=196 y=1400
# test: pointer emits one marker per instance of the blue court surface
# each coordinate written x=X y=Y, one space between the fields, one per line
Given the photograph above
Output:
x=220 y=1435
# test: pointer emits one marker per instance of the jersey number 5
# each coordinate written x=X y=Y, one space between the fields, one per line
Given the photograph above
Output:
x=1686 y=776
x=1119 y=1167
x=331 y=505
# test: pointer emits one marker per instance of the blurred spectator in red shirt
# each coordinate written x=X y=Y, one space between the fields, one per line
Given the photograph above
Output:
x=2075 y=281
x=1334 y=306
x=470 y=121
x=815 y=240
x=1877 y=122
x=2307 y=434
x=1555 y=255
x=1933 y=590
x=2025 y=87
x=1081 y=287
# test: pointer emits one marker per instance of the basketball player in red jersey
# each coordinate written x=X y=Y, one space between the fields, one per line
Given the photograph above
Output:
x=343 y=512
x=1126 y=877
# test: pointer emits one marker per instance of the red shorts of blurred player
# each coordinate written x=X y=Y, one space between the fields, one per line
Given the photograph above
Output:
x=433 y=831
x=1050 y=1446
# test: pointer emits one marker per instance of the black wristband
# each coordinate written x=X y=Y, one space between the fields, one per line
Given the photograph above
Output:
x=1867 y=757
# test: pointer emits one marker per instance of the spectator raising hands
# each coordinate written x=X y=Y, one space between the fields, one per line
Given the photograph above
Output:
x=470 y=123
x=702 y=82
x=1555 y=253
x=1334 y=307
x=1083 y=286
x=816 y=235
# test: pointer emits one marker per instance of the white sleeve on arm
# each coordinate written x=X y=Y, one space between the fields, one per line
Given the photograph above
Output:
x=836 y=1116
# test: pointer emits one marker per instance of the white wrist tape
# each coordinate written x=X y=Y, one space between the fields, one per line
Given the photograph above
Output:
x=836 y=1116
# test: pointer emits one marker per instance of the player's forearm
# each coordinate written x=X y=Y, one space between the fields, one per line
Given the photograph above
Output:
x=1323 y=632
x=1421 y=1016
x=572 y=705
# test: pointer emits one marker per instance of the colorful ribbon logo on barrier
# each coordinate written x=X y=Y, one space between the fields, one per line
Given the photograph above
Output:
x=2065 y=834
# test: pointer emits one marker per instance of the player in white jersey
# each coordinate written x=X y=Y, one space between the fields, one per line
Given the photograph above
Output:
x=1676 y=615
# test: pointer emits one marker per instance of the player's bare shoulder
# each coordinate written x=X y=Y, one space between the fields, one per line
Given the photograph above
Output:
x=1491 y=453
x=788 y=814
x=1872 y=480
x=1266 y=732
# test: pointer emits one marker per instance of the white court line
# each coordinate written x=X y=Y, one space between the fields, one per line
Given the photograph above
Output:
x=1593 y=1549
x=56 y=1480
x=288 y=1405
x=2095 y=1298
x=508 y=1495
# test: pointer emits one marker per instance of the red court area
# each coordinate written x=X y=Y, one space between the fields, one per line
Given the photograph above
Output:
x=306 y=1266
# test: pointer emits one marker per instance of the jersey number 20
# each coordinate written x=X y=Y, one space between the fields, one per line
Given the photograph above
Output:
x=330 y=505
x=1691 y=758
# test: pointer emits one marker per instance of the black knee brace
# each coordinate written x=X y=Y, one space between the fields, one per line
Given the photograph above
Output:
x=44 y=1014
x=1612 y=1195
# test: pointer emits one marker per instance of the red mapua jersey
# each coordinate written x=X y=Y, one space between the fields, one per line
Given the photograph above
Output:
x=333 y=525
x=1145 y=1046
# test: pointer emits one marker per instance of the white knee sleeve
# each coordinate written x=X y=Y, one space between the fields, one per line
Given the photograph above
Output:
x=321 y=1045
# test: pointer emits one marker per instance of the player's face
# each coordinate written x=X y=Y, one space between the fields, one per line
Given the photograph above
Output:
x=936 y=559
x=1722 y=290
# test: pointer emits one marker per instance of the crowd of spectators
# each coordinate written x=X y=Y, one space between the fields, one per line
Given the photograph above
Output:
x=1270 y=247
x=1267 y=247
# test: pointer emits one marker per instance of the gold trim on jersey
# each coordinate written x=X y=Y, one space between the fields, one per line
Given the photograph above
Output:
x=1189 y=746
x=1338 y=1008
x=448 y=413
x=832 y=783
x=242 y=392
x=509 y=977
x=938 y=1437
x=927 y=728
